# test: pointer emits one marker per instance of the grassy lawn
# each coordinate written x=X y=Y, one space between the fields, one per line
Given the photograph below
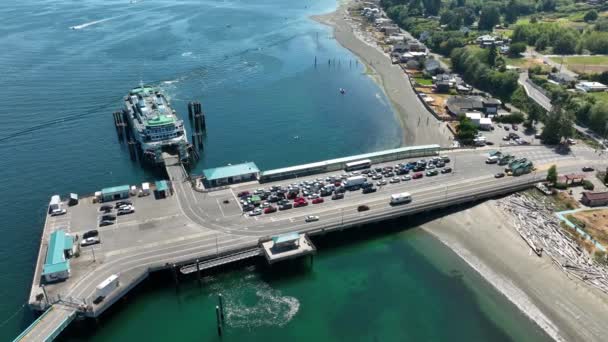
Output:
x=584 y=64
x=423 y=81
x=601 y=96
x=598 y=59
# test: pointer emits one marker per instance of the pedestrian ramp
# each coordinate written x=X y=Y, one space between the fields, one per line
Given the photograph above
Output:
x=49 y=325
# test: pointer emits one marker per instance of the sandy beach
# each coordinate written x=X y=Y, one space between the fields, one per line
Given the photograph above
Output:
x=564 y=307
x=483 y=236
x=419 y=126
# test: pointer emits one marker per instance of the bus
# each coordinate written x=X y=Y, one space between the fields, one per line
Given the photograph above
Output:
x=358 y=165
x=403 y=197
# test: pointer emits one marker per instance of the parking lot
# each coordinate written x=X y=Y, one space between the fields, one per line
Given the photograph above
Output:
x=336 y=186
x=499 y=135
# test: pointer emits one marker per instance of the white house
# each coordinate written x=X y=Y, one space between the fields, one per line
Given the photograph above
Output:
x=590 y=87
x=474 y=117
x=485 y=124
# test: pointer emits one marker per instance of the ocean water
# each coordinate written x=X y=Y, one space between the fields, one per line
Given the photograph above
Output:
x=252 y=65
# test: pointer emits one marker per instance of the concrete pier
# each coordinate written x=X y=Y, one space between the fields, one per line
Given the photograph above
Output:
x=209 y=226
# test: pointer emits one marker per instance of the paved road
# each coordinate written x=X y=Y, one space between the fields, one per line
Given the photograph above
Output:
x=533 y=92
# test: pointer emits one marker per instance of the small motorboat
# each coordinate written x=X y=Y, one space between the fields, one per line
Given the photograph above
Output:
x=342 y=91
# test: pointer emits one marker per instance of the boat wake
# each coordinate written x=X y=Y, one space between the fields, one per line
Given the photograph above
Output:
x=253 y=303
x=91 y=23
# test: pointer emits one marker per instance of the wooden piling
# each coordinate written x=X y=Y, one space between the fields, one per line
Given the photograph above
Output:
x=219 y=320
x=221 y=300
x=198 y=273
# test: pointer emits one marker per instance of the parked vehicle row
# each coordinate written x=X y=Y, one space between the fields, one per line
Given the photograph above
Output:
x=108 y=217
x=314 y=191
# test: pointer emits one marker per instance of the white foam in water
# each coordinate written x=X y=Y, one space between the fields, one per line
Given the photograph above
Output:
x=187 y=54
x=81 y=26
x=253 y=303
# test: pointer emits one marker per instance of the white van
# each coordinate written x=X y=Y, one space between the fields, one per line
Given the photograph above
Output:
x=492 y=160
x=404 y=197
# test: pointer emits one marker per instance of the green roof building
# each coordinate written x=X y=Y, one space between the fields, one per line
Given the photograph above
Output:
x=56 y=265
x=231 y=174
x=114 y=193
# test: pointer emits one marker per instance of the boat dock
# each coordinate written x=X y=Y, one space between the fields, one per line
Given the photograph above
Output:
x=184 y=227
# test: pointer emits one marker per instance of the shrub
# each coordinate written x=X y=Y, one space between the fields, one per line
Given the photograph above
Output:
x=587 y=185
x=561 y=186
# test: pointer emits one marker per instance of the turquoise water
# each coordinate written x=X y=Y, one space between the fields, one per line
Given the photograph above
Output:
x=251 y=64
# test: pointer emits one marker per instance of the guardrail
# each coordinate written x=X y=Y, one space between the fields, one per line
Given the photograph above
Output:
x=410 y=210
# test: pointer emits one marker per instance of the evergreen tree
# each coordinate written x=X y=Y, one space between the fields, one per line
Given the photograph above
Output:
x=489 y=17
x=492 y=54
x=552 y=174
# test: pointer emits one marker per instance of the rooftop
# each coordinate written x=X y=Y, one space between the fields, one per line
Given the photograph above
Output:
x=59 y=241
x=230 y=171
x=594 y=196
x=161 y=185
x=115 y=189
x=324 y=163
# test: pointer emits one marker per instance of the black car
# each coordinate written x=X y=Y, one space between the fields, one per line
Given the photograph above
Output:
x=362 y=208
x=446 y=170
x=337 y=196
x=106 y=223
x=119 y=203
x=285 y=206
x=248 y=207
x=108 y=217
x=369 y=190
x=588 y=169
x=106 y=208
x=90 y=233
x=366 y=185
x=499 y=175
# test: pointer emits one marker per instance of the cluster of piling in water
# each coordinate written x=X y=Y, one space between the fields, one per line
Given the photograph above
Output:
x=123 y=131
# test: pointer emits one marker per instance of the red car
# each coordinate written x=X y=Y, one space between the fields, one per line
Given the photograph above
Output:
x=299 y=199
x=337 y=183
x=318 y=200
x=300 y=204
x=243 y=194
x=270 y=209
x=292 y=195
x=417 y=175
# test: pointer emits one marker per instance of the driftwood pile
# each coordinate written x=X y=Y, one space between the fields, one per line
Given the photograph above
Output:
x=540 y=228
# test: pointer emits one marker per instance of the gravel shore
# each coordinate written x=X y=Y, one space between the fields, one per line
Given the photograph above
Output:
x=565 y=308
x=419 y=126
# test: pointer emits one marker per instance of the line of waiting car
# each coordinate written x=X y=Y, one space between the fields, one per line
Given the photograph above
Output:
x=296 y=195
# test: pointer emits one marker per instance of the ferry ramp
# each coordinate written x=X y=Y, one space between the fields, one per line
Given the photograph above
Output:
x=49 y=325
x=175 y=169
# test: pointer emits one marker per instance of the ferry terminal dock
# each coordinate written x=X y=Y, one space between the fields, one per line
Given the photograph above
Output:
x=197 y=224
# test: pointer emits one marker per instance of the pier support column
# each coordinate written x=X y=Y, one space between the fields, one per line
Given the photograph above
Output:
x=221 y=301
x=219 y=320
x=175 y=276
x=198 y=273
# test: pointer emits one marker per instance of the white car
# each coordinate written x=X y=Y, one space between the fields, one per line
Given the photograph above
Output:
x=311 y=218
x=406 y=178
x=255 y=212
x=58 y=212
x=381 y=183
x=395 y=180
x=89 y=241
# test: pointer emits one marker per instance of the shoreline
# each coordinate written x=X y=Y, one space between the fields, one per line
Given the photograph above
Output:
x=484 y=237
x=567 y=310
x=419 y=127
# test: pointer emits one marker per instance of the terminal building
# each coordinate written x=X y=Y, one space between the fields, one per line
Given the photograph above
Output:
x=231 y=174
x=57 y=264
x=341 y=163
